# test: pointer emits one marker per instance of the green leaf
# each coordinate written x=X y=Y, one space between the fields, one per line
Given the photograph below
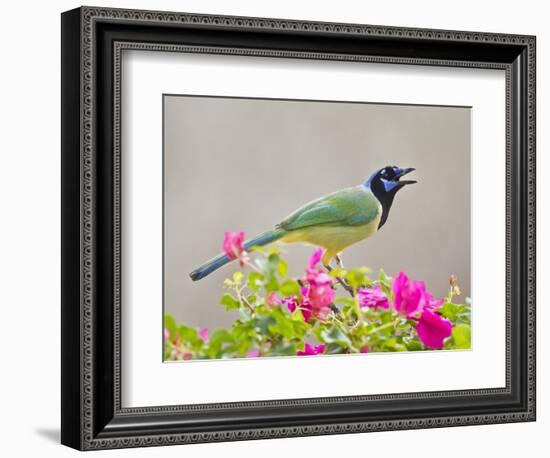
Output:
x=464 y=316
x=218 y=338
x=263 y=323
x=339 y=272
x=283 y=324
x=273 y=250
x=386 y=316
x=300 y=326
x=290 y=288
x=238 y=277
x=462 y=336
x=255 y=280
x=245 y=314
x=393 y=345
x=283 y=349
x=385 y=283
x=414 y=345
x=189 y=335
x=355 y=278
x=272 y=284
x=273 y=261
x=170 y=324
x=384 y=278
x=230 y=302
x=334 y=349
x=336 y=336
x=282 y=268
x=450 y=311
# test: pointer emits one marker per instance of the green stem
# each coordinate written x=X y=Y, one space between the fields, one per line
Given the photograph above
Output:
x=243 y=299
x=384 y=326
x=360 y=317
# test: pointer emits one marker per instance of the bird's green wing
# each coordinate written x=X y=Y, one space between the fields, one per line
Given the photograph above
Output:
x=348 y=207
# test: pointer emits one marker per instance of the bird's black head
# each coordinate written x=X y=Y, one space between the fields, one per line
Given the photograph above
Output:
x=384 y=184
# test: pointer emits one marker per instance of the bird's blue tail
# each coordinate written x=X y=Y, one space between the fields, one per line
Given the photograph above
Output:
x=222 y=259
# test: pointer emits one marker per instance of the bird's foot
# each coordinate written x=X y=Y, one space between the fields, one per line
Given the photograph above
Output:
x=342 y=282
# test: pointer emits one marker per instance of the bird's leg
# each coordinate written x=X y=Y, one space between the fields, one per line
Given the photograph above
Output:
x=342 y=282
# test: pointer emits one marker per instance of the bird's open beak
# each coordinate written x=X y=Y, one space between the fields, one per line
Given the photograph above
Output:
x=402 y=174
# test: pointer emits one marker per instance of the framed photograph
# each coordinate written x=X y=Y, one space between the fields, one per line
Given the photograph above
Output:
x=276 y=228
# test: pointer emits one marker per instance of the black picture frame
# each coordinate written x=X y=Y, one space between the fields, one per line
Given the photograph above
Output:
x=92 y=416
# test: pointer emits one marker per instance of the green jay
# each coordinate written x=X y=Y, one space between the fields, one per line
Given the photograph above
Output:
x=334 y=221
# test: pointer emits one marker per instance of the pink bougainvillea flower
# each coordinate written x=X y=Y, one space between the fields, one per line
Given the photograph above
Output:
x=233 y=245
x=166 y=334
x=431 y=302
x=408 y=295
x=293 y=302
x=314 y=260
x=254 y=353
x=319 y=292
x=411 y=297
x=272 y=300
x=203 y=334
x=364 y=350
x=320 y=296
x=373 y=297
x=310 y=350
x=187 y=356
x=433 y=329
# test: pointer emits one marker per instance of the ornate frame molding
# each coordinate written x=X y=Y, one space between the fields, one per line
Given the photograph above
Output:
x=91 y=435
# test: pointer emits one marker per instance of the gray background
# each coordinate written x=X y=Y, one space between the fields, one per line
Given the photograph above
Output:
x=244 y=164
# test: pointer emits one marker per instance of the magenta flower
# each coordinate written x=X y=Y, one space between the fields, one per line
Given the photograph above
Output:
x=411 y=297
x=233 y=245
x=314 y=260
x=319 y=293
x=364 y=350
x=166 y=334
x=373 y=298
x=293 y=302
x=310 y=350
x=320 y=296
x=408 y=295
x=431 y=302
x=203 y=334
x=254 y=353
x=433 y=329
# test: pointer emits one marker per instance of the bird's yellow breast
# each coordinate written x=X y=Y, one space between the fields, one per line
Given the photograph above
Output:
x=333 y=239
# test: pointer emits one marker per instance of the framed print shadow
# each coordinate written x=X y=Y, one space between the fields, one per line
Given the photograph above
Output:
x=276 y=228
